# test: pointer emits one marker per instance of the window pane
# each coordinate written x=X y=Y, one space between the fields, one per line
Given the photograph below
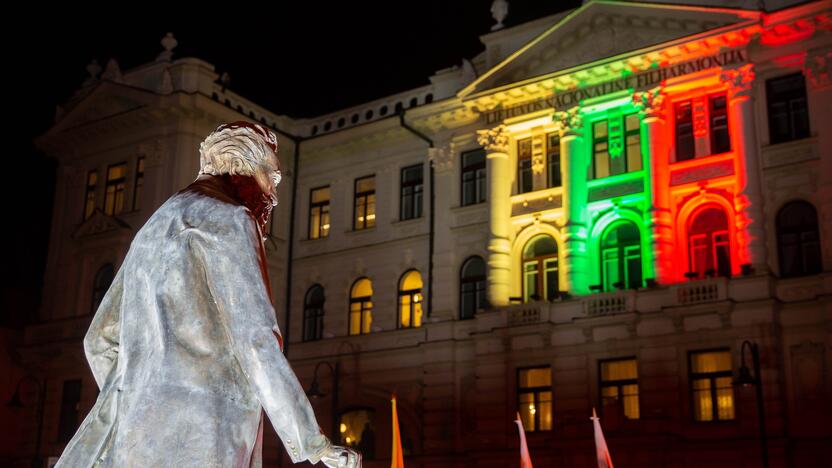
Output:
x=702 y=403
x=619 y=370
x=539 y=377
x=544 y=411
x=714 y=361
x=724 y=398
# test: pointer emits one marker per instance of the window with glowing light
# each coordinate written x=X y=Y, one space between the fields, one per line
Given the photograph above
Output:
x=361 y=307
x=788 y=114
x=473 y=177
x=410 y=300
x=101 y=283
x=709 y=244
x=540 y=269
x=313 y=313
x=553 y=175
x=711 y=385
x=621 y=257
x=619 y=385
x=471 y=287
x=114 y=189
x=365 y=203
x=534 y=398
x=319 y=213
x=798 y=240
x=524 y=166
x=138 y=184
x=411 y=192
x=616 y=145
x=357 y=430
x=701 y=127
x=89 y=195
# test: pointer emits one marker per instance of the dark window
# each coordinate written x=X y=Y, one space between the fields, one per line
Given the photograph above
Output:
x=411 y=192
x=365 y=203
x=471 y=287
x=114 y=193
x=798 y=240
x=540 y=269
x=632 y=142
x=616 y=145
x=410 y=300
x=68 y=422
x=621 y=257
x=313 y=313
x=720 y=139
x=619 y=385
x=361 y=307
x=138 y=186
x=319 y=213
x=89 y=195
x=788 y=114
x=534 y=398
x=685 y=143
x=710 y=384
x=102 y=282
x=356 y=430
x=709 y=244
x=554 y=178
x=524 y=166
x=473 y=177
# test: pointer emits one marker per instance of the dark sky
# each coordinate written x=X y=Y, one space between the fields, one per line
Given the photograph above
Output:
x=300 y=58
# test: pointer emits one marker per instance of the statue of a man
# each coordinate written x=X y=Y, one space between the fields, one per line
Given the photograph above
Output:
x=185 y=347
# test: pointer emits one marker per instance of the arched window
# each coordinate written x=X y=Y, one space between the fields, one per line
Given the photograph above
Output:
x=709 y=243
x=356 y=430
x=361 y=307
x=471 y=287
x=540 y=269
x=101 y=284
x=798 y=241
x=621 y=257
x=313 y=313
x=410 y=300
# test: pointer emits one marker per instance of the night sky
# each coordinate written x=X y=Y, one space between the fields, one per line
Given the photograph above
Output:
x=300 y=59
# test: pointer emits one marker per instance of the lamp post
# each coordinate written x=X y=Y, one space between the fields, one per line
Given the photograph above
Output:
x=314 y=392
x=746 y=380
x=17 y=402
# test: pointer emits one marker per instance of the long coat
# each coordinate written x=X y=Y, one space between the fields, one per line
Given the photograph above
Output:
x=186 y=350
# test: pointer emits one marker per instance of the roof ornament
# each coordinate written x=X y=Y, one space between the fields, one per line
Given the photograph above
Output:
x=499 y=11
x=169 y=43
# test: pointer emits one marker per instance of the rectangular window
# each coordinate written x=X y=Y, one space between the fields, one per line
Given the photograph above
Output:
x=720 y=140
x=616 y=145
x=89 y=196
x=534 y=398
x=685 y=143
x=711 y=387
x=364 y=216
x=138 y=186
x=701 y=127
x=554 y=178
x=319 y=213
x=619 y=385
x=473 y=177
x=600 y=150
x=411 y=192
x=524 y=166
x=788 y=114
x=68 y=422
x=114 y=189
x=632 y=142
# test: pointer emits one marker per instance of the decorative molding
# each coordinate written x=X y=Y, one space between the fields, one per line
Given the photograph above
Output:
x=569 y=121
x=817 y=68
x=602 y=192
x=494 y=140
x=740 y=80
x=697 y=173
x=442 y=158
x=99 y=223
x=651 y=102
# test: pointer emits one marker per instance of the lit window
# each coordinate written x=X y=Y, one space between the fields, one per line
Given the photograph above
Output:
x=356 y=430
x=89 y=196
x=319 y=213
x=473 y=177
x=798 y=240
x=410 y=300
x=114 y=189
x=138 y=186
x=524 y=166
x=365 y=203
x=621 y=257
x=534 y=398
x=313 y=313
x=540 y=269
x=553 y=174
x=701 y=127
x=361 y=307
x=616 y=145
x=709 y=243
x=788 y=114
x=411 y=192
x=472 y=287
x=619 y=386
x=711 y=387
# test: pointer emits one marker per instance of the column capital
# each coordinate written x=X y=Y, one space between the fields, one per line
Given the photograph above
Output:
x=817 y=68
x=568 y=122
x=740 y=79
x=441 y=157
x=651 y=102
x=494 y=140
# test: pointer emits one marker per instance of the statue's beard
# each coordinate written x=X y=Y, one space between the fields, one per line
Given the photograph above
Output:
x=248 y=192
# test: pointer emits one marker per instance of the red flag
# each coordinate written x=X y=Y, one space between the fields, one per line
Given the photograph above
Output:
x=397 y=459
x=602 y=453
x=525 y=459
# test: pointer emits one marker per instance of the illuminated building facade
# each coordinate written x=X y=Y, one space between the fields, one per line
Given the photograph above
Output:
x=596 y=211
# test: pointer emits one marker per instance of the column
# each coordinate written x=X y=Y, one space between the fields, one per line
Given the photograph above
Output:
x=748 y=201
x=574 y=166
x=499 y=177
x=819 y=95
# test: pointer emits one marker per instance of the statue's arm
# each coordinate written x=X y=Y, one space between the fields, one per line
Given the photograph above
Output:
x=102 y=339
x=228 y=250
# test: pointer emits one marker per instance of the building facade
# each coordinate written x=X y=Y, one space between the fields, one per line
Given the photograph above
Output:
x=597 y=211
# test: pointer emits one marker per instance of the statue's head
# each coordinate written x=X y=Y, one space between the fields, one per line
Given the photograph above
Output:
x=243 y=149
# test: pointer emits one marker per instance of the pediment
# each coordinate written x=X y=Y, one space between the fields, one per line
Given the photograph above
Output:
x=107 y=99
x=603 y=29
x=100 y=223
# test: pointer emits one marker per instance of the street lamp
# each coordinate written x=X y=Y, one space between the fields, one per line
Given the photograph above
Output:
x=315 y=392
x=746 y=379
x=17 y=402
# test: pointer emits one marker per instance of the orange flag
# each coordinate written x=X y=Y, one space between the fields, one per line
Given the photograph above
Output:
x=525 y=459
x=397 y=460
x=602 y=453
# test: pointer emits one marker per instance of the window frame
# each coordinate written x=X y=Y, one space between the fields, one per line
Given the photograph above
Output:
x=536 y=398
x=619 y=384
x=525 y=177
x=363 y=308
x=89 y=194
x=477 y=179
x=411 y=295
x=414 y=201
x=553 y=159
x=711 y=376
x=365 y=195
x=479 y=288
x=118 y=192
x=789 y=112
x=323 y=208
x=313 y=313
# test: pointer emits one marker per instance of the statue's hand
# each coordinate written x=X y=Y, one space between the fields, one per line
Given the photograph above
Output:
x=341 y=457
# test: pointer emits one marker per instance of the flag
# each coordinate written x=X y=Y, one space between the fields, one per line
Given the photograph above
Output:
x=397 y=459
x=525 y=459
x=602 y=453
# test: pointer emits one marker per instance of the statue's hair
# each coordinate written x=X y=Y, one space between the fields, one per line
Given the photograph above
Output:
x=234 y=151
